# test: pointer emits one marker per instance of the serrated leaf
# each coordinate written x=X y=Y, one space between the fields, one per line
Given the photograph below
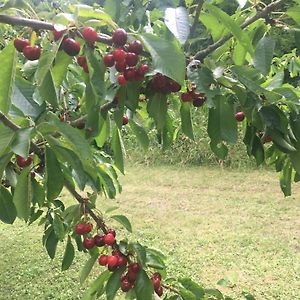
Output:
x=118 y=149
x=7 y=76
x=114 y=283
x=88 y=267
x=8 y=211
x=123 y=220
x=143 y=286
x=21 y=143
x=140 y=134
x=68 y=255
x=177 y=20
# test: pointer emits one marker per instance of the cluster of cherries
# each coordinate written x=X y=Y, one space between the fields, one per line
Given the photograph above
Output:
x=125 y=59
x=191 y=95
x=23 y=162
x=116 y=259
x=30 y=52
x=163 y=84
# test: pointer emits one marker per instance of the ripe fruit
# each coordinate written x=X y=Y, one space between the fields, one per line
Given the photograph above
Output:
x=109 y=239
x=174 y=86
x=23 y=162
x=120 y=66
x=131 y=59
x=131 y=276
x=108 y=60
x=89 y=34
x=88 y=227
x=113 y=232
x=119 y=37
x=88 y=243
x=99 y=240
x=122 y=260
x=80 y=229
x=155 y=282
x=102 y=260
x=240 y=116
x=125 y=285
x=125 y=120
x=129 y=74
x=156 y=275
x=21 y=43
x=112 y=261
x=86 y=68
x=143 y=69
x=57 y=34
x=32 y=52
x=71 y=47
x=81 y=60
x=186 y=97
x=198 y=101
x=134 y=267
x=122 y=79
x=119 y=55
x=159 y=291
x=135 y=47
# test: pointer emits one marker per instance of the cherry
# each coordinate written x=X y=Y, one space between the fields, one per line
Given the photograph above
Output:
x=130 y=74
x=143 y=69
x=120 y=66
x=119 y=37
x=135 y=47
x=80 y=229
x=85 y=68
x=108 y=60
x=122 y=260
x=112 y=268
x=198 y=102
x=156 y=275
x=21 y=43
x=99 y=240
x=102 y=260
x=57 y=34
x=109 y=239
x=125 y=120
x=125 y=285
x=23 y=162
x=134 y=267
x=71 y=47
x=88 y=243
x=131 y=59
x=174 y=86
x=122 y=79
x=131 y=276
x=113 y=232
x=88 y=227
x=186 y=97
x=89 y=34
x=159 y=291
x=119 y=55
x=240 y=116
x=81 y=60
x=112 y=261
x=32 y=52
x=155 y=282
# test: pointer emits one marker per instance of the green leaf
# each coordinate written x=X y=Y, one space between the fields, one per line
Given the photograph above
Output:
x=141 y=253
x=140 y=134
x=60 y=68
x=177 y=20
x=22 y=195
x=143 y=286
x=51 y=244
x=47 y=90
x=7 y=76
x=286 y=179
x=54 y=176
x=88 y=267
x=123 y=220
x=38 y=193
x=58 y=227
x=186 y=121
x=4 y=160
x=157 y=108
x=294 y=13
x=263 y=55
x=186 y=294
x=14 y=4
x=118 y=149
x=114 y=283
x=104 y=131
x=193 y=287
x=6 y=138
x=21 y=143
x=8 y=211
x=68 y=255
x=168 y=57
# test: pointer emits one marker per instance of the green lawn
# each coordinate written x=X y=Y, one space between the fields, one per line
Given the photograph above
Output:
x=211 y=223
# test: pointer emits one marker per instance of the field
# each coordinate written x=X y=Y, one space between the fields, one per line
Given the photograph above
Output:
x=211 y=223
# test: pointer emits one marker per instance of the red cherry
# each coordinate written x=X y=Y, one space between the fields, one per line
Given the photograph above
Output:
x=119 y=55
x=174 y=86
x=32 y=52
x=131 y=59
x=109 y=239
x=186 y=97
x=125 y=285
x=102 y=260
x=81 y=60
x=125 y=120
x=119 y=37
x=240 y=116
x=134 y=267
x=113 y=232
x=135 y=47
x=122 y=79
x=89 y=34
x=88 y=243
x=21 y=43
x=130 y=74
x=99 y=240
x=57 y=34
x=88 y=227
x=71 y=47
x=198 y=102
x=112 y=261
x=156 y=275
x=155 y=282
x=143 y=69
x=131 y=276
x=159 y=291
x=120 y=66
x=108 y=60
x=86 y=68
x=80 y=229
x=122 y=260
x=23 y=162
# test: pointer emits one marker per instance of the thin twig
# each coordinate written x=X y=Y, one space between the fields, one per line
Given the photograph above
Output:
x=196 y=19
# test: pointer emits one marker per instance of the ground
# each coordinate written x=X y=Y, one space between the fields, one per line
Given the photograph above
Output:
x=211 y=223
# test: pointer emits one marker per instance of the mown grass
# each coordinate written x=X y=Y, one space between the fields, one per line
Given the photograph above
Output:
x=211 y=223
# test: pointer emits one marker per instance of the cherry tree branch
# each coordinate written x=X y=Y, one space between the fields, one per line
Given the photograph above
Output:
x=261 y=14
x=196 y=19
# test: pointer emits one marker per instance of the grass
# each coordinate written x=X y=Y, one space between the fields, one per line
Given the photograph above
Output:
x=211 y=223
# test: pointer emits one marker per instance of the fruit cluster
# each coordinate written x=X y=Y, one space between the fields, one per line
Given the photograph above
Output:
x=23 y=162
x=163 y=84
x=125 y=59
x=31 y=52
x=191 y=95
